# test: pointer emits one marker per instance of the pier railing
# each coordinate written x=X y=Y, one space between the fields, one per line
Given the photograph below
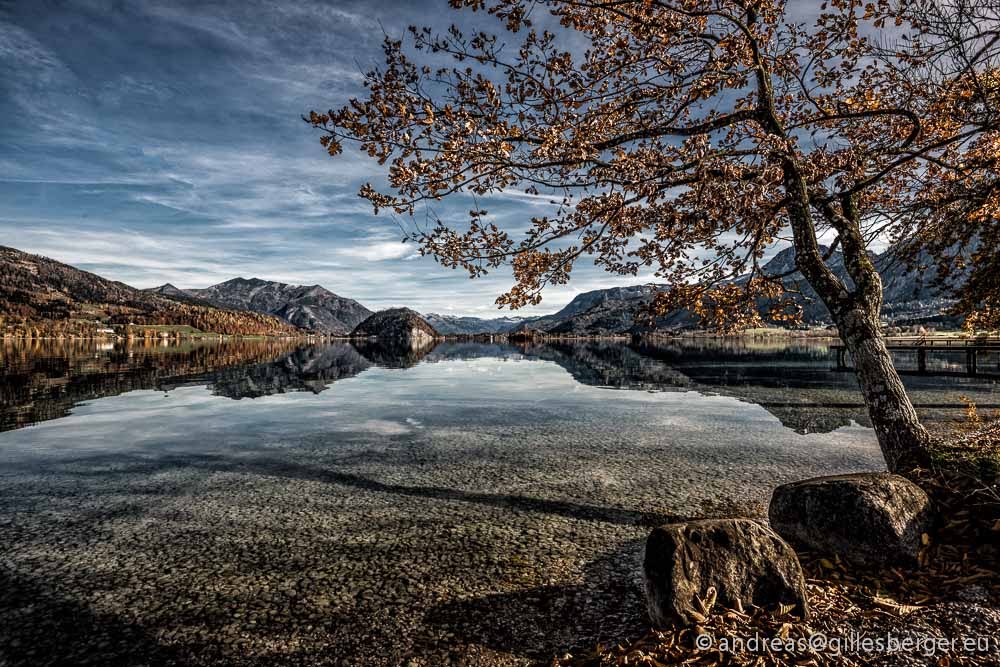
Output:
x=924 y=345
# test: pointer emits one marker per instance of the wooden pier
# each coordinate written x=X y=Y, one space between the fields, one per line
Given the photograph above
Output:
x=924 y=345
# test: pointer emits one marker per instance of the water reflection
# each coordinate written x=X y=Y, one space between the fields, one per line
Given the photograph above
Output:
x=793 y=379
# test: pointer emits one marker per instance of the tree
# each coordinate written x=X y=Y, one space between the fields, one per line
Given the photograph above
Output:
x=953 y=217
x=689 y=137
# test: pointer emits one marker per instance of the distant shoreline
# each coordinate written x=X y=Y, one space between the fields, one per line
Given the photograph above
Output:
x=812 y=334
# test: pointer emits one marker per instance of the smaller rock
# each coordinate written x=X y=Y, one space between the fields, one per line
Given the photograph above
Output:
x=866 y=518
x=745 y=561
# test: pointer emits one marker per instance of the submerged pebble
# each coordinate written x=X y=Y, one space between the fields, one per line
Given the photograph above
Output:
x=506 y=529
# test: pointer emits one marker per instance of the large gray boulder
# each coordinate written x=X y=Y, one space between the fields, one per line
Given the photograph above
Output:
x=742 y=559
x=866 y=518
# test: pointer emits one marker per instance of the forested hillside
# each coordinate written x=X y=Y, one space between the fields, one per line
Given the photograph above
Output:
x=42 y=297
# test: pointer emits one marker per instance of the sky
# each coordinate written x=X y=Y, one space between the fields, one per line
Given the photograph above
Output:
x=154 y=141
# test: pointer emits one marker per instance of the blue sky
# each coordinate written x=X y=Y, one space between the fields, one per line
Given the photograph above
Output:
x=155 y=141
x=160 y=140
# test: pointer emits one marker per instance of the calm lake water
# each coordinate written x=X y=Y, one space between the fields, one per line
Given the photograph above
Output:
x=251 y=502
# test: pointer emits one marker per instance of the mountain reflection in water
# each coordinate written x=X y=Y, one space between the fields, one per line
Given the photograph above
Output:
x=794 y=379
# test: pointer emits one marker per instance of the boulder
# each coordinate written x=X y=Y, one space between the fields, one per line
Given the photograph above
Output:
x=866 y=518
x=746 y=563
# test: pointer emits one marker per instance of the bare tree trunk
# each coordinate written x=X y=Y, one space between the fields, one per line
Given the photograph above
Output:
x=855 y=310
x=904 y=442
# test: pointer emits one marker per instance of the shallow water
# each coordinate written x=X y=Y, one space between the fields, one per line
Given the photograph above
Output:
x=261 y=501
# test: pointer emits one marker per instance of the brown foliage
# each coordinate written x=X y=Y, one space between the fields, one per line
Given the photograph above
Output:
x=693 y=135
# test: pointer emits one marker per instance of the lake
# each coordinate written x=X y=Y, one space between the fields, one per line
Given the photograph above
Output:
x=252 y=502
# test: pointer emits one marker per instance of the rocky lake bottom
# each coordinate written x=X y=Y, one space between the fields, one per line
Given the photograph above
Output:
x=474 y=505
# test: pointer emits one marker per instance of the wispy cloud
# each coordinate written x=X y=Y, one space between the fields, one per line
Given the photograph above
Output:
x=378 y=251
x=161 y=140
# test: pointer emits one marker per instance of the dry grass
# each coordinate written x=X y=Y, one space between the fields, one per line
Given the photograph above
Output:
x=970 y=447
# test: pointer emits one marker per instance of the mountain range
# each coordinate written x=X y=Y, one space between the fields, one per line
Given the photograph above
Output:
x=45 y=295
x=453 y=325
x=311 y=308
x=911 y=295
